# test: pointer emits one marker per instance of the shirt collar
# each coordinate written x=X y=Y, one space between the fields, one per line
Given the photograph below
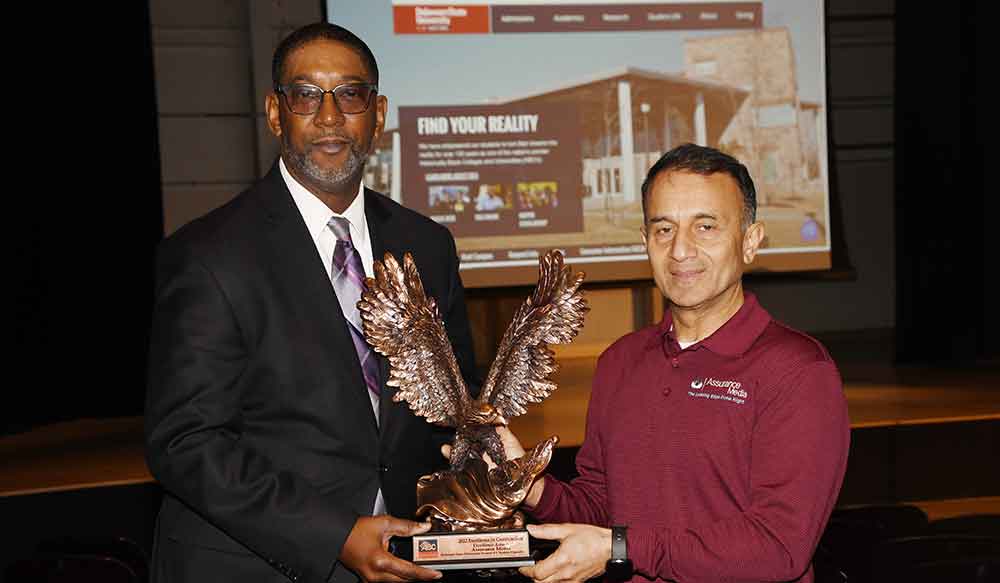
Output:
x=733 y=338
x=317 y=215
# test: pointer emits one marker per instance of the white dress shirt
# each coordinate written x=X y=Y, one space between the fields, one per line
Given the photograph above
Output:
x=317 y=216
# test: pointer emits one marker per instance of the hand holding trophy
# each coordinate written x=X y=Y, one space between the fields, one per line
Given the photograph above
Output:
x=472 y=508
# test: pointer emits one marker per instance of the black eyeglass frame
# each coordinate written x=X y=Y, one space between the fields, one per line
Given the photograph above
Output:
x=281 y=90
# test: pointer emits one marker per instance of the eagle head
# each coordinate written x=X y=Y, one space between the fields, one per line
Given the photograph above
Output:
x=485 y=414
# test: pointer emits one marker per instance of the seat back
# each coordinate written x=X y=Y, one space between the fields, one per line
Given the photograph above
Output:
x=82 y=560
x=963 y=558
x=977 y=524
x=982 y=570
x=846 y=548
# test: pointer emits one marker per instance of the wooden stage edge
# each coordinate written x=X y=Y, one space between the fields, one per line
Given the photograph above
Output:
x=938 y=509
x=73 y=455
x=928 y=421
x=77 y=486
x=88 y=453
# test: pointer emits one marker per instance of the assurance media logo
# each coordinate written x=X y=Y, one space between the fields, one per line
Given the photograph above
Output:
x=704 y=388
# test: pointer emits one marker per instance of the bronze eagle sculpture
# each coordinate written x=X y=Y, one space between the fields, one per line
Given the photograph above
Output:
x=403 y=324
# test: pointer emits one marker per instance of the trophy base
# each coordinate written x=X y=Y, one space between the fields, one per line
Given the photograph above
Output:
x=491 y=553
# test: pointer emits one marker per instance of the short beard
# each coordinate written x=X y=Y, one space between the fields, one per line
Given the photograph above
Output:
x=330 y=180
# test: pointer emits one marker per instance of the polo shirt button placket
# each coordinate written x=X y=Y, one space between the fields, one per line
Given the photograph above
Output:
x=666 y=391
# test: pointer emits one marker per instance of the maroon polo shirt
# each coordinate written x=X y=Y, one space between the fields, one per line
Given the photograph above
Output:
x=723 y=459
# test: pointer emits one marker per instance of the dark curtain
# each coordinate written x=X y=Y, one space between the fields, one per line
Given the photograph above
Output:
x=88 y=213
x=944 y=212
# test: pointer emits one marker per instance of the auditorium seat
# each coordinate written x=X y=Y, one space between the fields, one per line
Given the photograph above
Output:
x=976 y=524
x=852 y=533
x=826 y=568
x=980 y=570
x=82 y=560
x=952 y=558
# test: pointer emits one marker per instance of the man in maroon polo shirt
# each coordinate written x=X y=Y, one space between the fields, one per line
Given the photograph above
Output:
x=716 y=441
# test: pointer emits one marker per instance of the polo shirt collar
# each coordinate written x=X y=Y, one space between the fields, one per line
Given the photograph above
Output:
x=733 y=338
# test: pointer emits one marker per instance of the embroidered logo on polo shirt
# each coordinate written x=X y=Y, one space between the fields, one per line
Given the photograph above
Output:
x=718 y=389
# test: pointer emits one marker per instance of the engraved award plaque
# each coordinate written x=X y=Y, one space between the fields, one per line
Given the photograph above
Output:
x=473 y=507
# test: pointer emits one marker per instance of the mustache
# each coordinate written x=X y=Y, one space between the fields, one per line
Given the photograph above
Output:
x=336 y=135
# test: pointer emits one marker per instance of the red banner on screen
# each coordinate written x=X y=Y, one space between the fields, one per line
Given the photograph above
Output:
x=452 y=19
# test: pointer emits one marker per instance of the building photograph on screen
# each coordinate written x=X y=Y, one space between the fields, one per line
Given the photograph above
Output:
x=525 y=126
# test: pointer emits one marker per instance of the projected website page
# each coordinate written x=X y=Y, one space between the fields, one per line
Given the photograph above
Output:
x=526 y=126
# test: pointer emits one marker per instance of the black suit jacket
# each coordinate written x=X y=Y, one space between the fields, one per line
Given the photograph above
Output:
x=258 y=422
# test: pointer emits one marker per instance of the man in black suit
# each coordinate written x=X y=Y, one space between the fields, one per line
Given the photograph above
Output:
x=268 y=422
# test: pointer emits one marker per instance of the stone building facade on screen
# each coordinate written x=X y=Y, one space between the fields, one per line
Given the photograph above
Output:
x=780 y=137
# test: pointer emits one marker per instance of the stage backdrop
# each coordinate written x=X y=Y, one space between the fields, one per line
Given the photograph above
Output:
x=529 y=125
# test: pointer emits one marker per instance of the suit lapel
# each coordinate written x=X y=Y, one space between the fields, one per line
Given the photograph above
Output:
x=378 y=216
x=303 y=276
x=392 y=415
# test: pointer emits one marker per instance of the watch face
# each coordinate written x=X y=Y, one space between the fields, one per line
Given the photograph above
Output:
x=619 y=570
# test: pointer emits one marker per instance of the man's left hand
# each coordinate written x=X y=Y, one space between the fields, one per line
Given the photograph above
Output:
x=583 y=552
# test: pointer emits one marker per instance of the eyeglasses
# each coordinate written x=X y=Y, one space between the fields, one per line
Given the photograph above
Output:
x=305 y=99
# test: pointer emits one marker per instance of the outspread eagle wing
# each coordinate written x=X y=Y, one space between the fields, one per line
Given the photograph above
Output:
x=403 y=324
x=553 y=314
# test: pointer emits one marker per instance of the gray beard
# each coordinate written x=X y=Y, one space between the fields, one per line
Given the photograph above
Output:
x=329 y=180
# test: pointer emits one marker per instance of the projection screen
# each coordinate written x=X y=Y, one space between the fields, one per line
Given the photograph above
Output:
x=529 y=125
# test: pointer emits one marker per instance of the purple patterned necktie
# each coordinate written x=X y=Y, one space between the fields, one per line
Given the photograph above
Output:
x=348 y=278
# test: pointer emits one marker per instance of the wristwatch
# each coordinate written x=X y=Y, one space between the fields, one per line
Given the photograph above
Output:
x=619 y=567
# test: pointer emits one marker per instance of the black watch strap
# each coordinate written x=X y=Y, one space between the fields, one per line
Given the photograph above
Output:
x=619 y=543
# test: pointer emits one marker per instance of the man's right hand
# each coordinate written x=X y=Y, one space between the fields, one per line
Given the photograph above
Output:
x=366 y=550
x=513 y=449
